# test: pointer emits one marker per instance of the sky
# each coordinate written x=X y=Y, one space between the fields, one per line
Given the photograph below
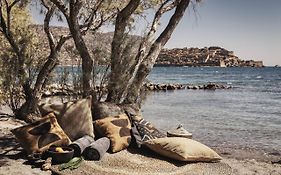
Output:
x=250 y=28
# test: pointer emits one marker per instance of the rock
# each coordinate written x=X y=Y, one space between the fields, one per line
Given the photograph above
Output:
x=210 y=86
x=195 y=87
x=150 y=88
x=171 y=87
x=276 y=162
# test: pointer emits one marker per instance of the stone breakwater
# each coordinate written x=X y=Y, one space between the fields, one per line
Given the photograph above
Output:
x=67 y=90
x=168 y=87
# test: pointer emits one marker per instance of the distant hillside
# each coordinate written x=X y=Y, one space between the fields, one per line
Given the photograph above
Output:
x=100 y=46
x=100 y=43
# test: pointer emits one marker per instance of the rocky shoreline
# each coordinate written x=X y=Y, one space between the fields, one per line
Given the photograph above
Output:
x=67 y=90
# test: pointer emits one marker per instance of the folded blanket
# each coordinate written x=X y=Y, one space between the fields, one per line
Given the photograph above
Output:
x=97 y=149
x=80 y=144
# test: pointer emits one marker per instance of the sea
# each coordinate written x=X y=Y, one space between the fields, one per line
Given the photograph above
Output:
x=247 y=116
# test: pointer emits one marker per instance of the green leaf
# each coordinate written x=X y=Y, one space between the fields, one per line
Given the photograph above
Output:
x=72 y=164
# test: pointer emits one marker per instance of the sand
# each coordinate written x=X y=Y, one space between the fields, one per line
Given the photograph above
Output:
x=127 y=162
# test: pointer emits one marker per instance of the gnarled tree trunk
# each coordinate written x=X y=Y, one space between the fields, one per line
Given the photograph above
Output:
x=118 y=70
x=33 y=95
x=134 y=76
x=148 y=62
x=87 y=62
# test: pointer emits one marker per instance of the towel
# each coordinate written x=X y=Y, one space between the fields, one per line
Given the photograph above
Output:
x=80 y=144
x=97 y=149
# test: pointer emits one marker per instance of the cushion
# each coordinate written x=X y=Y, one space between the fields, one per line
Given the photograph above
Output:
x=75 y=118
x=117 y=129
x=143 y=130
x=183 y=149
x=38 y=136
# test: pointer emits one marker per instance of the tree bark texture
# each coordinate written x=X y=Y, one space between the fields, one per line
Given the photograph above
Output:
x=119 y=70
x=71 y=12
x=148 y=62
x=87 y=62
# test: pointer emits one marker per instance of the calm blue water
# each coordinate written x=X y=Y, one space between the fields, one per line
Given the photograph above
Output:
x=246 y=116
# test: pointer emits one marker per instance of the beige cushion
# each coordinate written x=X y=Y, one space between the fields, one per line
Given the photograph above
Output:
x=38 y=136
x=117 y=129
x=75 y=118
x=183 y=149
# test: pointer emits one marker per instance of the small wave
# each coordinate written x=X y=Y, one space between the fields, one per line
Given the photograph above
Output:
x=259 y=77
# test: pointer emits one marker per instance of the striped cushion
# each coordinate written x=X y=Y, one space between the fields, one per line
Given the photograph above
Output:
x=144 y=130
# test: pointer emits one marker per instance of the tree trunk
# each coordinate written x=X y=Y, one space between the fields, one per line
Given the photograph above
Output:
x=118 y=70
x=87 y=62
x=148 y=62
x=29 y=110
x=143 y=70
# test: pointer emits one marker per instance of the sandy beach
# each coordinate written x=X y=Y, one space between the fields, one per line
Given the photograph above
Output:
x=13 y=161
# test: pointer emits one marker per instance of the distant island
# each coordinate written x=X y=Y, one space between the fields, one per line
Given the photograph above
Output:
x=207 y=56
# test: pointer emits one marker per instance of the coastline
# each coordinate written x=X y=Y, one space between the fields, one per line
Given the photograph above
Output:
x=239 y=161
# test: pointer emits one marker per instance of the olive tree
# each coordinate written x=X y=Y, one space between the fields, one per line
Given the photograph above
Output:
x=126 y=80
x=128 y=69
x=21 y=53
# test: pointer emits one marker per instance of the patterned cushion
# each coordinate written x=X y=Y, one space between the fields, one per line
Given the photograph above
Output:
x=184 y=149
x=143 y=130
x=117 y=129
x=38 y=136
x=75 y=118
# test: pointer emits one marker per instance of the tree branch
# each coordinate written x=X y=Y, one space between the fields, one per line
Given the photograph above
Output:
x=122 y=20
x=48 y=16
x=144 y=44
x=61 y=41
x=164 y=7
x=179 y=12
x=149 y=60
x=61 y=6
